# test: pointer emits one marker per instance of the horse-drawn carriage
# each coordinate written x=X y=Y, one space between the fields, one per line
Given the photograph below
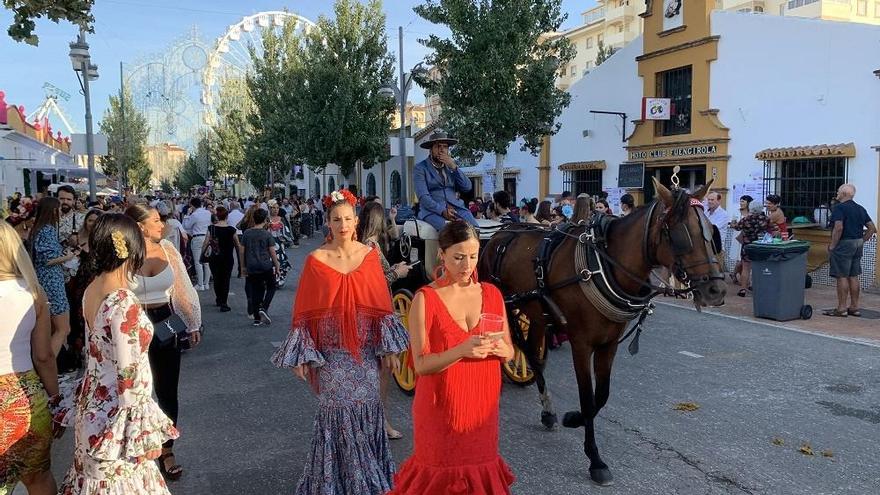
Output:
x=589 y=277
x=418 y=244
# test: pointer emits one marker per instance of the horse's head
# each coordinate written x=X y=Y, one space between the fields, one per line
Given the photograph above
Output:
x=685 y=244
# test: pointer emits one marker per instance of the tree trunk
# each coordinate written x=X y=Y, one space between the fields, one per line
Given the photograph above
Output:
x=499 y=171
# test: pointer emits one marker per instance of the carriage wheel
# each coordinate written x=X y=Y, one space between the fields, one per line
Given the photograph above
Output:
x=517 y=370
x=406 y=377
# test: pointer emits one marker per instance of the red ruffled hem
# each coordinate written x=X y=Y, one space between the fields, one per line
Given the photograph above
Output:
x=491 y=478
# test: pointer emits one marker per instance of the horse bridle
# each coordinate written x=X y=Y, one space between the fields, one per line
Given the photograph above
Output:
x=682 y=244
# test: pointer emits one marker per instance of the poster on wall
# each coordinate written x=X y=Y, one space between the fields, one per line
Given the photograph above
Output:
x=753 y=187
x=673 y=14
x=614 y=194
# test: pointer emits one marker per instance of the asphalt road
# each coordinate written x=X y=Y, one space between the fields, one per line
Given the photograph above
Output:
x=762 y=393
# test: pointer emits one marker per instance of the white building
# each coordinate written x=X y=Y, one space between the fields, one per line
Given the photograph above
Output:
x=30 y=155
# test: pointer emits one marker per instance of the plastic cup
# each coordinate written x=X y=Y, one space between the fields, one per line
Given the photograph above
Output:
x=490 y=323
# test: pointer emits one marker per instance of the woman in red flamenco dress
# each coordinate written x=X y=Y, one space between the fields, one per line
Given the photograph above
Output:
x=455 y=412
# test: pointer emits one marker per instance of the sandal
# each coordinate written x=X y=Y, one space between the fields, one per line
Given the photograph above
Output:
x=835 y=312
x=854 y=312
x=174 y=472
x=393 y=434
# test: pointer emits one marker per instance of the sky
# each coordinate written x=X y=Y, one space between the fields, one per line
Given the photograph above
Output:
x=131 y=30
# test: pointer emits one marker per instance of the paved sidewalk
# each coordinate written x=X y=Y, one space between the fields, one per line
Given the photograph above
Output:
x=864 y=330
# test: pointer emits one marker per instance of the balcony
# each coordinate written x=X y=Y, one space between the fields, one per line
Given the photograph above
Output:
x=594 y=16
x=616 y=40
x=624 y=14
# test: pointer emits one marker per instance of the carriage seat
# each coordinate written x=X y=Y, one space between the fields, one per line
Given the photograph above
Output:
x=421 y=230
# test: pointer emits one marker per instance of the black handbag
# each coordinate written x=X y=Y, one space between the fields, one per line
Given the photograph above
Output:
x=167 y=326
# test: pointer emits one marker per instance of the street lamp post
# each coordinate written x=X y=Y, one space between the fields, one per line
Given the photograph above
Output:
x=400 y=94
x=81 y=61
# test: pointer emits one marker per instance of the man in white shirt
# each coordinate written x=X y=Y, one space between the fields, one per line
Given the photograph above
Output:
x=70 y=221
x=234 y=218
x=717 y=217
x=196 y=224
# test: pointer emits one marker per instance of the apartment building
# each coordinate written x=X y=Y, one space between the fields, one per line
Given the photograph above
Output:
x=860 y=11
x=612 y=23
x=617 y=22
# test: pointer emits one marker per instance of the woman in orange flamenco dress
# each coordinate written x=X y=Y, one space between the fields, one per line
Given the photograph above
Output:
x=455 y=412
x=343 y=330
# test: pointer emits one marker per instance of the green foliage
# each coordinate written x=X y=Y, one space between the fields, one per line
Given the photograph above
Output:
x=126 y=130
x=167 y=186
x=189 y=175
x=604 y=53
x=269 y=144
x=497 y=71
x=317 y=96
x=233 y=127
x=195 y=170
x=341 y=117
x=25 y=11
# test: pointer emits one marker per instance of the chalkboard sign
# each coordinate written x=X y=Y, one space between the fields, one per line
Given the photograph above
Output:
x=631 y=175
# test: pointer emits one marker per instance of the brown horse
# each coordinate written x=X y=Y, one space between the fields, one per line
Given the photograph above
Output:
x=672 y=232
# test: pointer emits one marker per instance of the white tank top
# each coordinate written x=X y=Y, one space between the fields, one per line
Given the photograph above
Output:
x=16 y=326
x=155 y=289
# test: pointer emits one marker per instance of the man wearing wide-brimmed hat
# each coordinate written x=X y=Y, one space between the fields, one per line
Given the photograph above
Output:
x=437 y=179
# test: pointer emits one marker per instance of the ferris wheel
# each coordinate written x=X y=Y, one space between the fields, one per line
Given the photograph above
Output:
x=230 y=60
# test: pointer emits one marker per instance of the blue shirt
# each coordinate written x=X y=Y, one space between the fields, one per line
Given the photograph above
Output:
x=854 y=218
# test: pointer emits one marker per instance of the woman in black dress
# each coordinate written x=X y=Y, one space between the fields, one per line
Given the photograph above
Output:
x=222 y=241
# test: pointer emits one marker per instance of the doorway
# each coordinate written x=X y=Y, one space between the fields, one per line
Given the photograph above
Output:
x=690 y=177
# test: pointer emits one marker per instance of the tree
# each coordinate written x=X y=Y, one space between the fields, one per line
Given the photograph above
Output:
x=25 y=11
x=604 y=53
x=339 y=114
x=194 y=171
x=268 y=144
x=126 y=130
x=233 y=127
x=497 y=73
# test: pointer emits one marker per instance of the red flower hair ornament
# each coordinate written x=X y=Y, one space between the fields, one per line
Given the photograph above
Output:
x=339 y=196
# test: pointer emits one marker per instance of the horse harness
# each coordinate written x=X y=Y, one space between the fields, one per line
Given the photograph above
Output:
x=592 y=263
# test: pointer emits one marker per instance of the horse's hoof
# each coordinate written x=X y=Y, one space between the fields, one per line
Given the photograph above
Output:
x=573 y=419
x=549 y=420
x=602 y=476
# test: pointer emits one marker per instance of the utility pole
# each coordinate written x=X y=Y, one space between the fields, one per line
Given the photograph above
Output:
x=404 y=165
x=122 y=112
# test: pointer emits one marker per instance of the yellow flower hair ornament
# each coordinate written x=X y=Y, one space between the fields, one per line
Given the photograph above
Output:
x=119 y=245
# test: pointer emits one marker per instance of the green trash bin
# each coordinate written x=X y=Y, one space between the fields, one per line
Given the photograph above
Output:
x=779 y=272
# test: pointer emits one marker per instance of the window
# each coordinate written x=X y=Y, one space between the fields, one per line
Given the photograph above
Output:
x=676 y=85
x=804 y=184
x=620 y=28
x=371 y=184
x=331 y=185
x=574 y=70
x=862 y=7
x=793 y=4
x=600 y=38
x=758 y=8
x=782 y=9
x=590 y=42
x=317 y=187
x=582 y=181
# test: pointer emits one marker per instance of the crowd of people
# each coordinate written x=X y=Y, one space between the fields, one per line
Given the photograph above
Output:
x=111 y=290
x=107 y=292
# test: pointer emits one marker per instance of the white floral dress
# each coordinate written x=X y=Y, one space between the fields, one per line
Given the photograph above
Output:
x=117 y=422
